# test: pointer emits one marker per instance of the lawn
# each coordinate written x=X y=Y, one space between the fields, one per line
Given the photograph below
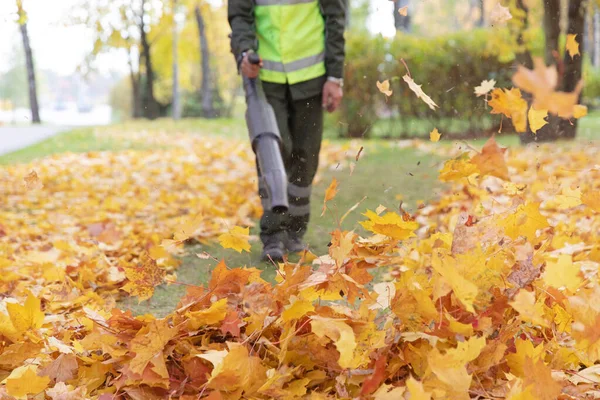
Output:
x=385 y=174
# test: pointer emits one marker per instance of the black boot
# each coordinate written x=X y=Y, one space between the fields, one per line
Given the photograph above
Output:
x=273 y=247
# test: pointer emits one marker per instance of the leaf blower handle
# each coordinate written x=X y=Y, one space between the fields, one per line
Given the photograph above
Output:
x=253 y=58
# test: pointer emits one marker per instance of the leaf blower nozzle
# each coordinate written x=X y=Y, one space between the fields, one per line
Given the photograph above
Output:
x=266 y=141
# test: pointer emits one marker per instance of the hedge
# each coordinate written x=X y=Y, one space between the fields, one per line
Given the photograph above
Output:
x=447 y=67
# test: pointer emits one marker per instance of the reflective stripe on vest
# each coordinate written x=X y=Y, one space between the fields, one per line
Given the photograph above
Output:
x=291 y=40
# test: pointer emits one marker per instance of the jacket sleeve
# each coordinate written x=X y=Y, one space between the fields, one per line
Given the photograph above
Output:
x=240 y=14
x=334 y=13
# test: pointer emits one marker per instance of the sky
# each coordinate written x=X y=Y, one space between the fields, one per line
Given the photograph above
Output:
x=62 y=48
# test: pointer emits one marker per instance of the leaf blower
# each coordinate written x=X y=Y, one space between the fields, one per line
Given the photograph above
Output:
x=266 y=141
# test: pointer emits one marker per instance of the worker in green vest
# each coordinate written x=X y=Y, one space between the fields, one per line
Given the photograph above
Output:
x=301 y=46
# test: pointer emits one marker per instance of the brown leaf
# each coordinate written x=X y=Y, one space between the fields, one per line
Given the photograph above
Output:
x=61 y=369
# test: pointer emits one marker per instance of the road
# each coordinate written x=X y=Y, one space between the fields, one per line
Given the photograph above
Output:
x=16 y=137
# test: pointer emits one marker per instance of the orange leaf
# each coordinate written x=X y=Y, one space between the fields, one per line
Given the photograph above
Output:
x=491 y=160
x=330 y=193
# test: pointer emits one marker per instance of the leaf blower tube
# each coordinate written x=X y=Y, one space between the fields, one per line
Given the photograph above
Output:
x=266 y=141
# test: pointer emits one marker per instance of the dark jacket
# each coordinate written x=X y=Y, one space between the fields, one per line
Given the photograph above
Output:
x=243 y=37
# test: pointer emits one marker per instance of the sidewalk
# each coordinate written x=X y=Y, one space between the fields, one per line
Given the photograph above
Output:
x=16 y=137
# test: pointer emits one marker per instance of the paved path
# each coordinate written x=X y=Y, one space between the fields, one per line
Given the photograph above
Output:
x=16 y=137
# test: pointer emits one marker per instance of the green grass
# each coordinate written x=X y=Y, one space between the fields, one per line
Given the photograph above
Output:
x=381 y=174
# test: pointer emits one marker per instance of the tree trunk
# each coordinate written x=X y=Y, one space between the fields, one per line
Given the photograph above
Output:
x=151 y=110
x=551 y=30
x=401 y=23
x=596 y=41
x=559 y=128
x=208 y=110
x=33 y=100
x=176 y=105
x=481 y=22
x=136 y=105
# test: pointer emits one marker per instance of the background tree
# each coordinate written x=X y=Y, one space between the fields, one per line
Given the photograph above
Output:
x=31 y=82
x=401 y=22
x=570 y=69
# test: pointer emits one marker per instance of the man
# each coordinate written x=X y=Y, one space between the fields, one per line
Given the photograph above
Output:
x=301 y=46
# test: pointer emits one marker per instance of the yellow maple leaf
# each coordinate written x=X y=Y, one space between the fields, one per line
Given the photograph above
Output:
x=236 y=239
x=330 y=193
x=537 y=119
x=485 y=87
x=451 y=367
x=419 y=92
x=28 y=316
x=384 y=87
x=144 y=277
x=524 y=349
x=464 y=290
x=510 y=104
x=149 y=343
x=499 y=14
x=568 y=198
x=416 y=390
x=297 y=309
x=572 y=45
x=563 y=273
x=591 y=199
x=24 y=381
x=434 y=135
x=525 y=221
x=210 y=316
x=403 y=11
x=579 y=111
x=342 y=336
x=390 y=224
x=529 y=310
x=457 y=168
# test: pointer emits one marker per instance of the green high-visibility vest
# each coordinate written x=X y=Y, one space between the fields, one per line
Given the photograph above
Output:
x=291 y=40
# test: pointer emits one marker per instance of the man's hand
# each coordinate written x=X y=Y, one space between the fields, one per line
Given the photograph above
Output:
x=250 y=70
x=332 y=96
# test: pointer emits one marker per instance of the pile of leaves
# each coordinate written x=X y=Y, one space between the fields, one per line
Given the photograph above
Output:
x=491 y=292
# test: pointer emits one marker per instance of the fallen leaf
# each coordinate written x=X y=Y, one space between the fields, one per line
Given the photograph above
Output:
x=24 y=381
x=144 y=277
x=32 y=181
x=342 y=336
x=419 y=92
x=236 y=239
x=61 y=369
x=434 y=135
x=26 y=317
x=572 y=45
x=384 y=87
x=529 y=310
x=61 y=391
x=563 y=273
